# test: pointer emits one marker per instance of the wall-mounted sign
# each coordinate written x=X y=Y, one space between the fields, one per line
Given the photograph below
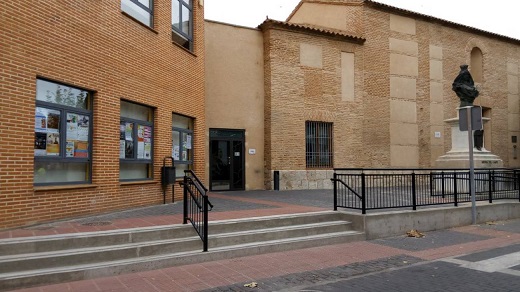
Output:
x=237 y=153
x=252 y=151
x=437 y=134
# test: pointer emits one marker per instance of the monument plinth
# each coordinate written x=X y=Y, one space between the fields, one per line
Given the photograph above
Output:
x=458 y=156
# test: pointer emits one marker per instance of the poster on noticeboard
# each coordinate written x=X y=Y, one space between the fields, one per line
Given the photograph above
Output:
x=47 y=132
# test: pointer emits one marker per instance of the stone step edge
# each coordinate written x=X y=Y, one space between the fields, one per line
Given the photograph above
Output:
x=67 y=252
x=156 y=228
x=101 y=265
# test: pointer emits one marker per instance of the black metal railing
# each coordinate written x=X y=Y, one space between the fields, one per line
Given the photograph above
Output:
x=196 y=205
x=369 y=189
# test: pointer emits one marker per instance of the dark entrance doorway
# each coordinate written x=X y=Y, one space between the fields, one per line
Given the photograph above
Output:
x=227 y=160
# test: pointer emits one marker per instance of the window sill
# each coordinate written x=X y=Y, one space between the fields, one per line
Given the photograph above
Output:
x=138 y=182
x=186 y=50
x=64 y=187
x=142 y=24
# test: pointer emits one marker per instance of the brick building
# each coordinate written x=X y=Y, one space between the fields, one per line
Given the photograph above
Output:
x=94 y=94
x=352 y=83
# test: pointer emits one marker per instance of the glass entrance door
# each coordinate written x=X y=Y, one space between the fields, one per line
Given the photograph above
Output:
x=226 y=160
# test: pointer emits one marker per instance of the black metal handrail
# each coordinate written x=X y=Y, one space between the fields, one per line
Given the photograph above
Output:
x=367 y=189
x=196 y=205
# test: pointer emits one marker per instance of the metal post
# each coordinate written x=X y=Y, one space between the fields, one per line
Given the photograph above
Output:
x=363 y=196
x=490 y=191
x=471 y=168
x=185 y=201
x=518 y=182
x=455 y=188
x=442 y=187
x=431 y=184
x=276 y=180
x=414 y=198
x=205 y=227
x=335 y=192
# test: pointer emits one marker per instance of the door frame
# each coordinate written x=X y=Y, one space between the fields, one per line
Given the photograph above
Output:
x=241 y=138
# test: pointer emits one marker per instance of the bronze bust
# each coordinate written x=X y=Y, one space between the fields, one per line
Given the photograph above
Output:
x=464 y=87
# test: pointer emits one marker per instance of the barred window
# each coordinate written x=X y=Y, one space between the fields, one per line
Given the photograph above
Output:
x=318 y=144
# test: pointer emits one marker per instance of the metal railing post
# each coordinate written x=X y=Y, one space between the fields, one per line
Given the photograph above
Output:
x=518 y=182
x=185 y=201
x=363 y=194
x=431 y=184
x=455 y=188
x=414 y=194
x=335 y=186
x=490 y=192
x=442 y=187
x=205 y=227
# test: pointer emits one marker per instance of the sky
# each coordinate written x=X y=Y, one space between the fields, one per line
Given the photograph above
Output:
x=497 y=16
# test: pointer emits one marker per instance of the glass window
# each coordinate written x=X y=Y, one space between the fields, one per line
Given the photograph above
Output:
x=62 y=134
x=142 y=10
x=182 y=17
x=135 y=142
x=318 y=144
x=182 y=141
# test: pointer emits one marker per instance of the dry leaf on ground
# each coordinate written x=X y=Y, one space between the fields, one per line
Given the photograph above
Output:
x=414 y=233
x=251 y=285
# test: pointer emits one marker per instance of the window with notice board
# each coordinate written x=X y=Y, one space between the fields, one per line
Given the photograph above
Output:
x=182 y=141
x=62 y=134
x=135 y=142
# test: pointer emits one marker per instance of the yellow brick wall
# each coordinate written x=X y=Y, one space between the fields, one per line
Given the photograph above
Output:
x=296 y=93
x=92 y=45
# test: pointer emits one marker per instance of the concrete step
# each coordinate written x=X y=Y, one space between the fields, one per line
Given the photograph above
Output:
x=50 y=259
x=276 y=233
x=235 y=239
x=50 y=243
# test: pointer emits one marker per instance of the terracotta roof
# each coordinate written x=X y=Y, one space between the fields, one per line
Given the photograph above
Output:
x=311 y=29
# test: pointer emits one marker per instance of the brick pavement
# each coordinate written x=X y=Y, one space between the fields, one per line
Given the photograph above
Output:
x=384 y=265
x=228 y=205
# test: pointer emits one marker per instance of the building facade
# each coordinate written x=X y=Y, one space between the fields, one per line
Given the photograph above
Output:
x=352 y=83
x=94 y=96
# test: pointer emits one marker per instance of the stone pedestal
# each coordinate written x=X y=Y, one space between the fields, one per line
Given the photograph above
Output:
x=458 y=156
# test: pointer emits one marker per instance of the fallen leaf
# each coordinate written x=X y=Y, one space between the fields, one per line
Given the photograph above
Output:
x=414 y=233
x=251 y=285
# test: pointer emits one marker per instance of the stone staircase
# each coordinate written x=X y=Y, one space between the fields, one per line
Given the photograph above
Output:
x=34 y=261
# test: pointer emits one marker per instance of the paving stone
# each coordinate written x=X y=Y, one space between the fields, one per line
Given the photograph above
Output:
x=326 y=275
x=434 y=276
x=507 y=226
x=432 y=239
x=484 y=255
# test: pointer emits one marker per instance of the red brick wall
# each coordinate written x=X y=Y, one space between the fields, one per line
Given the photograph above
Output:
x=92 y=45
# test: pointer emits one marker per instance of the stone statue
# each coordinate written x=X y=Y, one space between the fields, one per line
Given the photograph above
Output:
x=464 y=87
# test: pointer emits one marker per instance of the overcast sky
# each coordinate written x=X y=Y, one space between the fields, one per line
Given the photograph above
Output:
x=498 y=16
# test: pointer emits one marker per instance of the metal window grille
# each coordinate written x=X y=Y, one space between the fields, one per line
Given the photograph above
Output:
x=318 y=144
